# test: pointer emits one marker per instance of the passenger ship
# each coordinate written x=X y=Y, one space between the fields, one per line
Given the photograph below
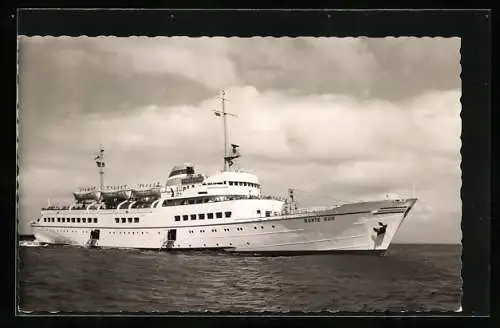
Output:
x=225 y=211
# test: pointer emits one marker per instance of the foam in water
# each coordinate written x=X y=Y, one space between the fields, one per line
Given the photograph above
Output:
x=27 y=243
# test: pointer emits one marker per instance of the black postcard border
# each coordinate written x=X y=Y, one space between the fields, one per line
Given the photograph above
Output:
x=472 y=26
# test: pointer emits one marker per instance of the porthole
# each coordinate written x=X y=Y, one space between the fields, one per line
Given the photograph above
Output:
x=248 y=243
x=255 y=227
x=273 y=226
x=261 y=227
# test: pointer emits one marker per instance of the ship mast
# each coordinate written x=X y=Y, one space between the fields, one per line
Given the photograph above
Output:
x=223 y=101
x=99 y=160
x=227 y=157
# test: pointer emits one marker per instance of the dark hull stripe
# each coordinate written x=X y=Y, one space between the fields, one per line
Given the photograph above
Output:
x=393 y=207
x=226 y=250
x=298 y=253
x=388 y=212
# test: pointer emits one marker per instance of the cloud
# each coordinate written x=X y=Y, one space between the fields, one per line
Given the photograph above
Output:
x=309 y=116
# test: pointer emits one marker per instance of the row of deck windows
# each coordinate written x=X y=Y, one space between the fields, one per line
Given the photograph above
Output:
x=228 y=229
x=125 y=220
x=72 y=220
x=201 y=216
x=196 y=200
x=234 y=183
x=107 y=232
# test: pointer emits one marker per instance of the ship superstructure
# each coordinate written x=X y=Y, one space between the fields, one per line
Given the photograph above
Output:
x=223 y=211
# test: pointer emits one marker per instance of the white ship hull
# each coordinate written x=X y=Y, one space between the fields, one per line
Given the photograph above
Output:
x=348 y=228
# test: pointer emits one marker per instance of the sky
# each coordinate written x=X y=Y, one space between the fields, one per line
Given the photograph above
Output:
x=337 y=119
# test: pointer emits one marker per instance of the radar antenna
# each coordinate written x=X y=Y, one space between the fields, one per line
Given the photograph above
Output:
x=99 y=160
x=228 y=158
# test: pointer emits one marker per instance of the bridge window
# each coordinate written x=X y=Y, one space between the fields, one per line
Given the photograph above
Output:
x=136 y=220
x=73 y=220
x=44 y=219
x=258 y=212
x=84 y=220
x=268 y=213
x=230 y=183
x=201 y=216
x=191 y=201
x=219 y=215
x=227 y=214
x=63 y=220
x=95 y=220
x=129 y=220
x=177 y=218
x=245 y=184
x=193 y=216
x=117 y=220
x=210 y=215
x=124 y=220
x=184 y=217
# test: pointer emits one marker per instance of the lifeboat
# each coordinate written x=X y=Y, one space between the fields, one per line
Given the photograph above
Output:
x=116 y=194
x=143 y=193
x=87 y=195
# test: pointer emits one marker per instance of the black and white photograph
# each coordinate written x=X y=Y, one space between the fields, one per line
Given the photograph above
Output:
x=235 y=174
